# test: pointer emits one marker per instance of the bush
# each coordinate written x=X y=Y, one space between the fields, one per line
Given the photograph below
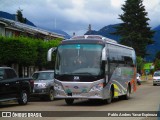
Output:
x=25 y=51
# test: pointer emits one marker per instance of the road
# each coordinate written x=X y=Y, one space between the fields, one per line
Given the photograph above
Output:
x=147 y=98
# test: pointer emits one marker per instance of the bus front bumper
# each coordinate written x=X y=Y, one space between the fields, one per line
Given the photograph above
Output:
x=87 y=95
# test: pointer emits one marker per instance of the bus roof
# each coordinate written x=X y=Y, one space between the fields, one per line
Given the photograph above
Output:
x=95 y=39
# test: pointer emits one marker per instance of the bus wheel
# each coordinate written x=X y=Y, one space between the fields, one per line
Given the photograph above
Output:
x=69 y=101
x=127 y=96
x=109 y=100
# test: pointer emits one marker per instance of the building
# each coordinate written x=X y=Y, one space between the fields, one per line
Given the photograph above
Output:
x=148 y=68
x=13 y=28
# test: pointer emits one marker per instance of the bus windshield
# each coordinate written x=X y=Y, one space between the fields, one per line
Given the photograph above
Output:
x=78 y=59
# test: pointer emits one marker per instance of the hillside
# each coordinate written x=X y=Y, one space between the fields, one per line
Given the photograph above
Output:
x=106 y=32
x=66 y=35
x=155 y=47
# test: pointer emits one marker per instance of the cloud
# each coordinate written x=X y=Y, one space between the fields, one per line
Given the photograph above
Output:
x=117 y=3
x=153 y=10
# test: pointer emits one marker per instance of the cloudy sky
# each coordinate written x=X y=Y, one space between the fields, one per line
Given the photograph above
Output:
x=75 y=15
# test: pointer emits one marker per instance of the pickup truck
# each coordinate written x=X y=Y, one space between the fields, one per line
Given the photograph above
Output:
x=14 y=88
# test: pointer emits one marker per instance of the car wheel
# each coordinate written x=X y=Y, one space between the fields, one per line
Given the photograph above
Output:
x=69 y=101
x=51 y=95
x=23 y=99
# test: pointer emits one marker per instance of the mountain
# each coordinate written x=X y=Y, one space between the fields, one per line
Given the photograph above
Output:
x=151 y=49
x=106 y=32
x=66 y=35
x=12 y=17
x=155 y=47
x=58 y=31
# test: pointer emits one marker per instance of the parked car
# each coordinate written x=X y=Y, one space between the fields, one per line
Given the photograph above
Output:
x=43 y=84
x=138 y=79
x=156 y=78
x=14 y=88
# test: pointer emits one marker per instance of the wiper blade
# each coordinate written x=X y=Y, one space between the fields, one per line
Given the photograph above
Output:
x=76 y=73
x=65 y=74
x=82 y=73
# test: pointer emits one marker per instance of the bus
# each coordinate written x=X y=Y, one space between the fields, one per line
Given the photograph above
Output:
x=93 y=67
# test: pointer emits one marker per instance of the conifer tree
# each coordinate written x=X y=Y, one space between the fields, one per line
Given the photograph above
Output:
x=135 y=30
x=20 y=17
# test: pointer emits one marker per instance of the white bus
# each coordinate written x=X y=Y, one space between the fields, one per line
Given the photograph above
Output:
x=93 y=67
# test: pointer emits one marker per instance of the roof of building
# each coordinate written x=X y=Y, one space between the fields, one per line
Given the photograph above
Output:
x=27 y=28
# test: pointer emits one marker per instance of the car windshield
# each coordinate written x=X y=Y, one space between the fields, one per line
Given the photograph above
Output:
x=43 y=76
x=79 y=59
x=157 y=74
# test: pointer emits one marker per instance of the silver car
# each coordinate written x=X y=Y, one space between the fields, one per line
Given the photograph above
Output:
x=44 y=84
x=156 y=78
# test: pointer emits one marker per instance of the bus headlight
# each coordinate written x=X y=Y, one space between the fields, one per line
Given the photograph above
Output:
x=97 y=87
x=58 y=87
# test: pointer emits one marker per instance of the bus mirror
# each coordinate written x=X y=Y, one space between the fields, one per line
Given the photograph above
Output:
x=104 y=57
x=49 y=55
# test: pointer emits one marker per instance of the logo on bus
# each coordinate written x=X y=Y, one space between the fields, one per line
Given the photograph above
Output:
x=76 y=77
x=76 y=87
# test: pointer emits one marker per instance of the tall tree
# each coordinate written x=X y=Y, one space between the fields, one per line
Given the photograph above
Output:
x=157 y=64
x=140 y=64
x=135 y=30
x=20 y=17
x=158 y=55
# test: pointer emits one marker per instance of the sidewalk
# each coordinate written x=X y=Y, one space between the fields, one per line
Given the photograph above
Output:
x=147 y=78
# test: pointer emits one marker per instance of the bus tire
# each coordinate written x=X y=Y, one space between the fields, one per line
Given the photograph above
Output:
x=128 y=94
x=109 y=100
x=69 y=101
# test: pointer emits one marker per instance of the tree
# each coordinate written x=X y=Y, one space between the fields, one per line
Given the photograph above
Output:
x=140 y=64
x=135 y=30
x=89 y=27
x=20 y=17
x=158 y=55
x=157 y=64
